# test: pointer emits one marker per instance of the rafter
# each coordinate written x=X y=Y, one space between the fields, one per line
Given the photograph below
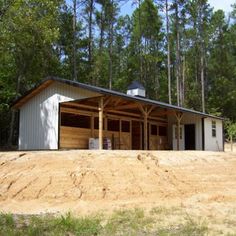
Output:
x=123 y=107
x=108 y=99
x=81 y=105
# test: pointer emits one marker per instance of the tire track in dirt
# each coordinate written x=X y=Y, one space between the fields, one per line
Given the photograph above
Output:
x=13 y=182
x=25 y=187
x=13 y=159
x=76 y=182
x=42 y=190
x=94 y=180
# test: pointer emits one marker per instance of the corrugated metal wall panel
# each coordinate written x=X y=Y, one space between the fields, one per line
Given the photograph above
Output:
x=39 y=116
x=213 y=143
x=187 y=119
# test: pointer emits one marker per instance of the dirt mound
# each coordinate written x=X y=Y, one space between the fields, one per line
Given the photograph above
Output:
x=89 y=181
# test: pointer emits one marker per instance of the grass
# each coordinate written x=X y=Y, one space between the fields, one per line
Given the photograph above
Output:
x=127 y=222
x=38 y=226
x=165 y=211
x=190 y=227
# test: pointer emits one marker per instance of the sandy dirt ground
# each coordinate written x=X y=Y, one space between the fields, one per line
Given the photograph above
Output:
x=228 y=147
x=85 y=182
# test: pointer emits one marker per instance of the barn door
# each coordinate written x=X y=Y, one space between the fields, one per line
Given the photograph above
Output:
x=136 y=135
x=189 y=133
x=175 y=136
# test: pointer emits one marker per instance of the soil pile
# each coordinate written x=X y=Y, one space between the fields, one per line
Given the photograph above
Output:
x=84 y=182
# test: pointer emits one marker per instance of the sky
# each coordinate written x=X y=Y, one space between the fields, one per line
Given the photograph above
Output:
x=225 y=5
x=222 y=4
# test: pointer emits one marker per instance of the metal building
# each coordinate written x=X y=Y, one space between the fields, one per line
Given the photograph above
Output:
x=62 y=114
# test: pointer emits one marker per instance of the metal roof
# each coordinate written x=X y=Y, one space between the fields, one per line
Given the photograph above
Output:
x=118 y=94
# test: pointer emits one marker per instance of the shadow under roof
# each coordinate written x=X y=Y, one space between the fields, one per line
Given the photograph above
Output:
x=17 y=104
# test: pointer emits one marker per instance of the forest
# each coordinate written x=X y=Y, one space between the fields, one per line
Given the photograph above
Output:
x=183 y=52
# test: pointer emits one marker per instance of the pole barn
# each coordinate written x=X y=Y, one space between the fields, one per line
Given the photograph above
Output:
x=63 y=114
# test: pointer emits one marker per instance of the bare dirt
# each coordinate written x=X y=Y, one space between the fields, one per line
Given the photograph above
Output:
x=85 y=182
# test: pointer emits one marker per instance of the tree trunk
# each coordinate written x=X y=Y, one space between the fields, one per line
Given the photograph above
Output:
x=202 y=83
x=101 y=40
x=13 y=115
x=12 y=122
x=183 y=85
x=202 y=59
x=90 y=47
x=157 y=81
x=168 y=53
x=140 y=43
x=74 y=40
x=110 y=67
x=145 y=68
x=111 y=29
x=177 y=54
x=111 y=32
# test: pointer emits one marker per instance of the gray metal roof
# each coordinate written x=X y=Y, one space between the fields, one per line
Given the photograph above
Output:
x=118 y=94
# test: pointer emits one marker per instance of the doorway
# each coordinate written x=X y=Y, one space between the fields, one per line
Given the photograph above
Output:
x=136 y=135
x=181 y=137
x=189 y=133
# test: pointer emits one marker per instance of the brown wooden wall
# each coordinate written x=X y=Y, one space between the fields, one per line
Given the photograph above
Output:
x=71 y=137
x=78 y=138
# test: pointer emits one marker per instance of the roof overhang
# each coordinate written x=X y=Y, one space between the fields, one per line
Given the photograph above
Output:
x=49 y=80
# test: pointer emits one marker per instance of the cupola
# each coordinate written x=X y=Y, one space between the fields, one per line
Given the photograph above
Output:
x=136 y=89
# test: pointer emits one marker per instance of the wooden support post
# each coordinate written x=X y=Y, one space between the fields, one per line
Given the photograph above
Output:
x=178 y=133
x=100 y=132
x=92 y=126
x=179 y=116
x=105 y=122
x=146 y=111
x=145 y=131
x=120 y=134
x=131 y=127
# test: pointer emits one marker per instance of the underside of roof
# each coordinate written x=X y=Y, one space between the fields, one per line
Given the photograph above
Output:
x=49 y=80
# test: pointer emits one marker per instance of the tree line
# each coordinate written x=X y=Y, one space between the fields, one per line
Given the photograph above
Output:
x=183 y=52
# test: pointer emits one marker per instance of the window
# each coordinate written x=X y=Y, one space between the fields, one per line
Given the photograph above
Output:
x=125 y=126
x=113 y=125
x=153 y=130
x=75 y=120
x=213 y=125
x=96 y=123
x=163 y=131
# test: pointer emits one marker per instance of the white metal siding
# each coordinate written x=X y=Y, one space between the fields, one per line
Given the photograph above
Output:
x=213 y=143
x=187 y=119
x=174 y=139
x=39 y=116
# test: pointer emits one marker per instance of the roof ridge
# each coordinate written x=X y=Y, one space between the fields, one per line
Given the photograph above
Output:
x=112 y=92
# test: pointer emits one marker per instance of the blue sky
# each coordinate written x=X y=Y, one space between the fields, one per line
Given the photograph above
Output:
x=127 y=8
x=222 y=4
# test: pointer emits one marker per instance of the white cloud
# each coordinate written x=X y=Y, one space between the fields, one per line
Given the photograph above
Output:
x=225 y=5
